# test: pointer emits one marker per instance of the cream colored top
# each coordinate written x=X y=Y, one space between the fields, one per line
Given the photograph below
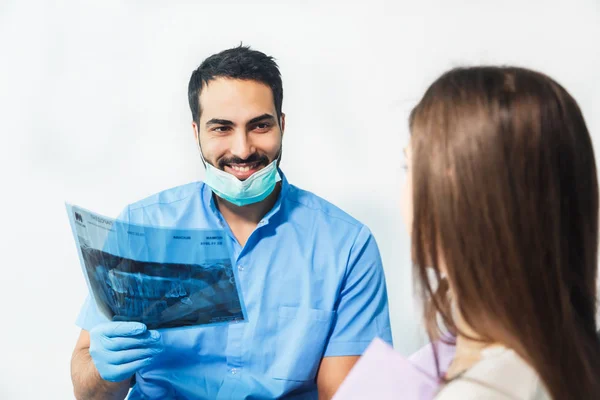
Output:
x=500 y=375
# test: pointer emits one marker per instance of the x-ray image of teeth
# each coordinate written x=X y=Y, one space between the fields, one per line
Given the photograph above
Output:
x=162 y=277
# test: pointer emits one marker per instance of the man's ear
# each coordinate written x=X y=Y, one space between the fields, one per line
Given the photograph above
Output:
x=282 y=123
x=195 y=129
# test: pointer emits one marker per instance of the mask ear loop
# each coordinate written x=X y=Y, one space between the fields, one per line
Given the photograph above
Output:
x=200 y=150
x=281 y=147
x=278 y=159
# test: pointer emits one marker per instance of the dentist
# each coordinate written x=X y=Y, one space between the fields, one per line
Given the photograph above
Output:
x=311 y=275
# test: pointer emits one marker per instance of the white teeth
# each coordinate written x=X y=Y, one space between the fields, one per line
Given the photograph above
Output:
x=240 y=169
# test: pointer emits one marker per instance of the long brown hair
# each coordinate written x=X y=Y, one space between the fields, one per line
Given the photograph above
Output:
x=505 y=195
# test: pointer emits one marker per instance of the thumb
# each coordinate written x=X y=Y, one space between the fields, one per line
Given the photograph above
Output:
x=114 y=329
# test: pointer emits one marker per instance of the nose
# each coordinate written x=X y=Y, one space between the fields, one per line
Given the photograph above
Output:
x=241 y=146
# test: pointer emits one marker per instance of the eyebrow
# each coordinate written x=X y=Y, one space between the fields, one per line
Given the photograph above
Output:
x=217 y=121
x=264 y=117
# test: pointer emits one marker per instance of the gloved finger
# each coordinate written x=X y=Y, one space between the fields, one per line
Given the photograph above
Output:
x=146 y=339
x=123 y=371
x=115 y=329
x=128 y=356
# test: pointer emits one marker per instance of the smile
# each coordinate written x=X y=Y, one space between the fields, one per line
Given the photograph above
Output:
x=243 y=171
x=244 y=168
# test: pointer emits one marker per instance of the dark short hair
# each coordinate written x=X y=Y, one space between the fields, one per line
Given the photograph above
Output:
x=238 y=63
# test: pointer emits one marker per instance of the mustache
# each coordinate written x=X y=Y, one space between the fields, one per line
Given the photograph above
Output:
x=251 y=159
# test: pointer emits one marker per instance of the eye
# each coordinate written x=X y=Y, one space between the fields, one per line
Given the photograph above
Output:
x=221 y=129
x=262 y=127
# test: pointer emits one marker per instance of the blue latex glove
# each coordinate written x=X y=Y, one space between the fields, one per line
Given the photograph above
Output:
x=120 y=349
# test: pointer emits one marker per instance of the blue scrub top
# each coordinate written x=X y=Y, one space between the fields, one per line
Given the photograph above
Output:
x=313 y=284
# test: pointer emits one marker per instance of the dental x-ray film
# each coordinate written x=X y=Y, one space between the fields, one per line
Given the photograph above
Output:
x=162 y=277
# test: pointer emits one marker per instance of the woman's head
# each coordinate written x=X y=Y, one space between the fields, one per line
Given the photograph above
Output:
x=505 y=204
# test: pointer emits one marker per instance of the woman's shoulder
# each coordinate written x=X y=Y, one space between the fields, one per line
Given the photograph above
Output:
x=500 y=375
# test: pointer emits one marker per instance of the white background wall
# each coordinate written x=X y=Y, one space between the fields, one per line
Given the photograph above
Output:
x=93 y=110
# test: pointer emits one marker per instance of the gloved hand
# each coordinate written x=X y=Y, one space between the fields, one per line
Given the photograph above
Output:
x=120 y=349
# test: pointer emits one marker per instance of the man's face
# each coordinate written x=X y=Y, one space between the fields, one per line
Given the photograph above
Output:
x=238 y=127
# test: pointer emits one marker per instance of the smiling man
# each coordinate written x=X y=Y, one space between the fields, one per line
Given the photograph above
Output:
x=310 y=274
